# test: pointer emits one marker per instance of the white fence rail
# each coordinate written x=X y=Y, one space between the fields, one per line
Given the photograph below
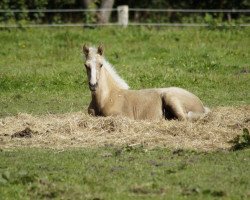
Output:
x=123 y=17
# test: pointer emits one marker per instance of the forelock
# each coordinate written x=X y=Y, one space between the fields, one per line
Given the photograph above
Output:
x=94 y=55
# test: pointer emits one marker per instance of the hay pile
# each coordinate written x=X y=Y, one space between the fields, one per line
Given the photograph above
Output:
x=81 y=130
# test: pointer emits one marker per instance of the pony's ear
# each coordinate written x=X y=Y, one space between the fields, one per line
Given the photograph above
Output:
x=100 y=50
x=85 y=50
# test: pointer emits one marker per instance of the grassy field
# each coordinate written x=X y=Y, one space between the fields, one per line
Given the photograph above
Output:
x=41 y=72
x=124 y=173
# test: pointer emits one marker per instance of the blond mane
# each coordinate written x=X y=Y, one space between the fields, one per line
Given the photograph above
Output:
x=119 y=81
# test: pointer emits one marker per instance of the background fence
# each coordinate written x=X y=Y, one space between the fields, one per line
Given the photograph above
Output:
x=124 y=16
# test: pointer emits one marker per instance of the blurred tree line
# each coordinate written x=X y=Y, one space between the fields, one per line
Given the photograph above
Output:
x=104 y=17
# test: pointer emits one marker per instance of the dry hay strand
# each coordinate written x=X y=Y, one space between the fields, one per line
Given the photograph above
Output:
x=60 y=131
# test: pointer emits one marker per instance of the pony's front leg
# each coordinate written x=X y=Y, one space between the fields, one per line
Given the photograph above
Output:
x=92 y=109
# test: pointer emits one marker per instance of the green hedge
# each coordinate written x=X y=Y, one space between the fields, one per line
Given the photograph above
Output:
x=40 y=17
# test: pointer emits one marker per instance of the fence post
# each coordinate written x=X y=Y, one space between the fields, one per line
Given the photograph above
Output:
x=123 y=15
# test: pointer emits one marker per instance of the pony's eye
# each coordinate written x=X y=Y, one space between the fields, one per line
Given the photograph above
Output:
x=101 y=65
x=86 y=65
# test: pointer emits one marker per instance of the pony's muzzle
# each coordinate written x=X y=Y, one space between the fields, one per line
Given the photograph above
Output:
x=92 y=87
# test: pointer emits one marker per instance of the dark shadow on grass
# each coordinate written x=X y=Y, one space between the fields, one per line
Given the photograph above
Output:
x=241 y=141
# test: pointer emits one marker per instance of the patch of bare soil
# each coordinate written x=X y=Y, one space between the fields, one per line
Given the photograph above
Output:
x=212 y=132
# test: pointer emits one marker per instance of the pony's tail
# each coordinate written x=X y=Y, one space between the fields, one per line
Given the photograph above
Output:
x=192 y=116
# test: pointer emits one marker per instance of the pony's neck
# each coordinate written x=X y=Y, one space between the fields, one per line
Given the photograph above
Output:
x=109 y=83
x=106 y=87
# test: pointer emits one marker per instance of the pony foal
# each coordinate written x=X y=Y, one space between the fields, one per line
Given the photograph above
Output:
x=111 y=95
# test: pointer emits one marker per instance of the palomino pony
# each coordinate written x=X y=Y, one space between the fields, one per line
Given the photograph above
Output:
x=111 y=95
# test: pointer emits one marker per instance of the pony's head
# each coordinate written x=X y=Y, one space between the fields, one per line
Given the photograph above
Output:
x=93 y=64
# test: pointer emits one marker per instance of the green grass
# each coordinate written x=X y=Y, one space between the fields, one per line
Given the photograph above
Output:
x=123 y=173
x=41 y=70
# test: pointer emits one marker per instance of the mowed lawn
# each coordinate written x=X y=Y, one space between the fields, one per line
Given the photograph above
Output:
x=41 y=71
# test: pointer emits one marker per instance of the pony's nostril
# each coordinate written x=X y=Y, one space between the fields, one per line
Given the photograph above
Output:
x=92 y=86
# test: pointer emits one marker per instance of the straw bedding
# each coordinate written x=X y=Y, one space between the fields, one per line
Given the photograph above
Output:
x=70 y=130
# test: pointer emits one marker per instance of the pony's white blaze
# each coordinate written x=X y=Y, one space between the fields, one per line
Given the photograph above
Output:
x=93 y=80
